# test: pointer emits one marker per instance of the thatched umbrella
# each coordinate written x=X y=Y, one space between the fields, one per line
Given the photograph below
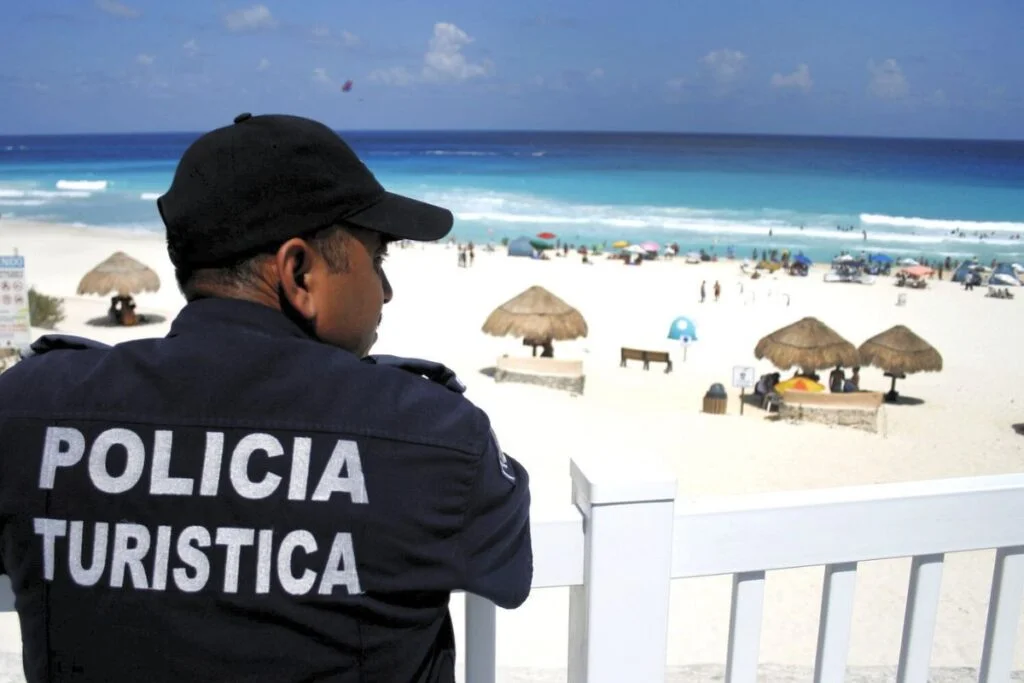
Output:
x=808 y=344
x=538 y=316
x=124 y=276
x=120 y=274
x=899 y=352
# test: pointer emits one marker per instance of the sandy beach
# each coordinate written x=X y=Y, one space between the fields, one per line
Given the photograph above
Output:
x=961 y=426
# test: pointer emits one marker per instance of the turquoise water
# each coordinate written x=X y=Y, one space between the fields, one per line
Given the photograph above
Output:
x=920 y=198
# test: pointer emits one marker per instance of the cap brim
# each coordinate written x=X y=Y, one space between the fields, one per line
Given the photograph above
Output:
x=405 y=218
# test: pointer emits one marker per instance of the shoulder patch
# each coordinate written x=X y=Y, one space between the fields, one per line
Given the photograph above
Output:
x=435 y=372
x=61 y=342
x=503 y=463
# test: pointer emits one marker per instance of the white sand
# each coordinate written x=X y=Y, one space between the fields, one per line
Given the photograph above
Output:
x=962 y=428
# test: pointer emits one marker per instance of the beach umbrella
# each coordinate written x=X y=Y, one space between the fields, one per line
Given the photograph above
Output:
x=808 y=344
x=799 y=384
x=683 y=328
x=547 y=235
x=802 y=260
x=540 y=245
x=881 y=258
x=536 y=314
x=120 y=274
x=621 y=244
x=650 y=246
x=899 y=352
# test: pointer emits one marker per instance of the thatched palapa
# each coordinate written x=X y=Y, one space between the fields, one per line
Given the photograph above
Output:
x=120 y=274
x=898 y=351
x=536 y=314
x=808 y=344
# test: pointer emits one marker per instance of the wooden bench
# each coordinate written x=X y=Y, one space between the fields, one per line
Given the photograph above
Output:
x=647 y=357
x=549 y=372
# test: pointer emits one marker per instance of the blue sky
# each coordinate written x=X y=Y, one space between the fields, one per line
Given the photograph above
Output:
x=873 y=67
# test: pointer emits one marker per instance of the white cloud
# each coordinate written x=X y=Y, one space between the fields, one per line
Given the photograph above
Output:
x=595 y=74
x=263 y=65
x=676 y=84
x=321 y=32
x=250 y=19
x=320 y=75
x=799 y=79
x=887 y=80
x=396 y=75
x=725 y=66
x=144 y=60
x=118 y=9
x=444 y=60
x=350 y=39
x=191 y=48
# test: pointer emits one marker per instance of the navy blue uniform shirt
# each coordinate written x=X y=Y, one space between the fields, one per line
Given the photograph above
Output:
x=239 y=502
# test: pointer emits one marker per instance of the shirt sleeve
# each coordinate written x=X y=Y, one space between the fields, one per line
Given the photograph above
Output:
x=496 y=530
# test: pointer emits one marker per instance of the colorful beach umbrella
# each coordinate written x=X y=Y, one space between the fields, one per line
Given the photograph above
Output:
x=799 y=384
x=651 y=246
x=541 y=245
x=683 y=328
x=621 y=244
x=546 y=235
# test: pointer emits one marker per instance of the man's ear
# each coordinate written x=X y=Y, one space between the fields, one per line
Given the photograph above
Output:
x=294 y=260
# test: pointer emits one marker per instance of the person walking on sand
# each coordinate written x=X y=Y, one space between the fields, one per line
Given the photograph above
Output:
x=718 y=290
x=703 y=291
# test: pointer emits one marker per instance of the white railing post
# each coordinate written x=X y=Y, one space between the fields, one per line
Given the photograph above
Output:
x=481 y=639
x=618 y=618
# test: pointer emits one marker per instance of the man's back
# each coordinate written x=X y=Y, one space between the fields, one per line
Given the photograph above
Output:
x=239 y=502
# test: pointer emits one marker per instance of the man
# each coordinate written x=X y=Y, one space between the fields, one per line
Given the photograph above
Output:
x=252 y=498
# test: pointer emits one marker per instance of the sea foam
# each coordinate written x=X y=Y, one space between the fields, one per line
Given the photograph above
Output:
x=88 y=185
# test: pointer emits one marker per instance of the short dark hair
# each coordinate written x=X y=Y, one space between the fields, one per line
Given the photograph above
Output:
x=246 y=271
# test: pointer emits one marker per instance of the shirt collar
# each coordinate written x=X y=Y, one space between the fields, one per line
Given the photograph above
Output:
x=200 y=315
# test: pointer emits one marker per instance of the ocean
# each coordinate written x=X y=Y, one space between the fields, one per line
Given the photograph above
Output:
x=821 y=196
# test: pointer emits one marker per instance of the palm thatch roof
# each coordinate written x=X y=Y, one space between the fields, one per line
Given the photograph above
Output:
x=536 y=314
x=898 y=351
x=120 y=274
x=808 y=344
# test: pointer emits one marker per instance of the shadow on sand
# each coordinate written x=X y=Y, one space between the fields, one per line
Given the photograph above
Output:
x=902 y=400
x=488 y=371
x=107 y=321
x=1019 y=428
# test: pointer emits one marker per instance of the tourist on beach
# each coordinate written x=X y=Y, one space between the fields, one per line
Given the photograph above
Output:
x=717 y=290
x=836 y=378
x=703 y=290
x=254 y=497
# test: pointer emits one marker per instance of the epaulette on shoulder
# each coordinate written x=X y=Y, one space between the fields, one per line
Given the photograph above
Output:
x=435 y=372
x=60 y=342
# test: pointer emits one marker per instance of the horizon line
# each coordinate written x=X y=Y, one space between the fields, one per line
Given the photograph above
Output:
x=563 y=131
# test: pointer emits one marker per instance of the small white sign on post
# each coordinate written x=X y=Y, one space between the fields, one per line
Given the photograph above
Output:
x=743 y=378
x=14 y=318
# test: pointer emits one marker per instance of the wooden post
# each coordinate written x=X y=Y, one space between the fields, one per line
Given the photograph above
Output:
x=743 y=393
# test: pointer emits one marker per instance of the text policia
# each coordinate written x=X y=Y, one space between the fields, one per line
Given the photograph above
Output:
x=126 y=551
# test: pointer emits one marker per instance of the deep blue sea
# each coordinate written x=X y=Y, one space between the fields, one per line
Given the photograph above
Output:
x=909 y=197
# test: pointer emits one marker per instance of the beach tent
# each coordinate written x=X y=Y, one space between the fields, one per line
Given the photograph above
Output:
x=520 y=246
x=881 y=258
x=682 y=328
x=1004 y=275
x=802 y=260
x=966 y=268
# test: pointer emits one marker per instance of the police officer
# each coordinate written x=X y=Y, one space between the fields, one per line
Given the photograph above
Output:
x=253 y=498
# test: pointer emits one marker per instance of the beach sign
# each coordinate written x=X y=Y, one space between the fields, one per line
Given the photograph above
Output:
x=14 y=318
x=743 y=378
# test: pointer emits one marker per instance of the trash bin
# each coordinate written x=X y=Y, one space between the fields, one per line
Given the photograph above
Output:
x=716 y=400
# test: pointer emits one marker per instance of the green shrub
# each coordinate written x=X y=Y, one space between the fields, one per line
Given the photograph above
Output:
x=44 y=311
x=504 y=241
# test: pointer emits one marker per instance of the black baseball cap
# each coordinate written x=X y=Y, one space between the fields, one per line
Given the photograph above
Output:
x=267 y=179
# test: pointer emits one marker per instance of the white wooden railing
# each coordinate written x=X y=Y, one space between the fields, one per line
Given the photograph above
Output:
x=626 y=536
